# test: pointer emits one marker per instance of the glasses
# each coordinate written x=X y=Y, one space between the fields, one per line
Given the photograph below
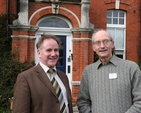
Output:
x=105 y=42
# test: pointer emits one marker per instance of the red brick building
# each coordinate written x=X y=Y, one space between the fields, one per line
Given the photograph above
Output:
x=74 y=21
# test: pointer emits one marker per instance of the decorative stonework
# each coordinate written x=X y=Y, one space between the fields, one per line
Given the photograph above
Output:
x=85 y=7
x=23 y=14
x=75 y=83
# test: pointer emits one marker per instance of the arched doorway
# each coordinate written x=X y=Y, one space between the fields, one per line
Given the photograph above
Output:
x=60 y=27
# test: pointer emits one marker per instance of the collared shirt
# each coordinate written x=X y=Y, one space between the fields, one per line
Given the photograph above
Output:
x=113 y=61
x=45 y=68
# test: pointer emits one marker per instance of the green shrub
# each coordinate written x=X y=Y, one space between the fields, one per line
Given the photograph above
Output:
x=5 y=110
x=9 y=68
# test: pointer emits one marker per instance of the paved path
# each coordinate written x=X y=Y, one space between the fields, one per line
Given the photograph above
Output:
x=75 y=110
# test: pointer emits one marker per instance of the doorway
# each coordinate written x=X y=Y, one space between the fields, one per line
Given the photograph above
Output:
x=60 y=27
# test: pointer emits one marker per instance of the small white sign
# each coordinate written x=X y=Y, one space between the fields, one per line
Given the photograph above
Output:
x=112 y=75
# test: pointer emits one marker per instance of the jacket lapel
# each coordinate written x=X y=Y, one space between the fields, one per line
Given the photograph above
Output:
x=63 y=79
x=43 y=77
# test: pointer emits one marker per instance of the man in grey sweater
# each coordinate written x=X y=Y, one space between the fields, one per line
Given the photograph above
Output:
x=110 y=85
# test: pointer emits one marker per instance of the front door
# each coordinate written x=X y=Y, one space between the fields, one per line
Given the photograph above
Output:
x=61 y=65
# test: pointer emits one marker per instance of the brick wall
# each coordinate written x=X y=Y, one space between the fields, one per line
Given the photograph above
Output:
x=3 y=6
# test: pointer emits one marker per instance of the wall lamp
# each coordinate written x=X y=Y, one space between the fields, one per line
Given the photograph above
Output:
x=55 y=6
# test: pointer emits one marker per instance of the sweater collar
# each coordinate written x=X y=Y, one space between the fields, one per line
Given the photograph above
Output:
x=113 y=61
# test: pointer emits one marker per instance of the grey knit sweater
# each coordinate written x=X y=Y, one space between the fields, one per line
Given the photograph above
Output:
x=111 y=88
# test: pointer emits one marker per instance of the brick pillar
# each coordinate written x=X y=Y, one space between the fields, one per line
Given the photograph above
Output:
x=81 y=46
x=76 y=64
x=23 y=42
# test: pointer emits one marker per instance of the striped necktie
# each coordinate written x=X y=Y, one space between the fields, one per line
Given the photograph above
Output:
x=58 y=92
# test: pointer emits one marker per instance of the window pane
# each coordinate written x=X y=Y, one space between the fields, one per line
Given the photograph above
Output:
x=60 y=62
x=121 y=14
x=61 y=45
x=119 y=53
x=53 y=22
x=115 y=21
x=109 y=14
x=112 y=32
x=109 y=21
x=115 y=13
x=121 y=21
x=119 y=39
x=61 y=53
x=120 y=56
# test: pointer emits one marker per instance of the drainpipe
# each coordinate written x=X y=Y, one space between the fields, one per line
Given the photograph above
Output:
x=16 y=4
x=7 y=12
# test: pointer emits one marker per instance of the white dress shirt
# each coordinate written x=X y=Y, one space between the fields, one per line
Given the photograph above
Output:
x=45 y=68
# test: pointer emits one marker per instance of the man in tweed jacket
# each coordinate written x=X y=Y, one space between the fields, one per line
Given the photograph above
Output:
x=33 y=91
x=110 y=85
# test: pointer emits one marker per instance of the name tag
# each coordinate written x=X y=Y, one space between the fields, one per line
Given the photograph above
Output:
x=112 y=75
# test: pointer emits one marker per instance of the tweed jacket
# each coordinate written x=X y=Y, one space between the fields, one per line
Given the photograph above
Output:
x=34 y=93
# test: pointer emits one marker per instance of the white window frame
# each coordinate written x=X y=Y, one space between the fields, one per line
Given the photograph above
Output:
x=122 y=27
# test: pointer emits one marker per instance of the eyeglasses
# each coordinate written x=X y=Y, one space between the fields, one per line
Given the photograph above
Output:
x=105 y=42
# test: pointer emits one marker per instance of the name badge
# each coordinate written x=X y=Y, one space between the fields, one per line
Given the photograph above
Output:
x=112 y=75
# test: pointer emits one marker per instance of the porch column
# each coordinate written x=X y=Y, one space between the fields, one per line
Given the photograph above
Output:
x=81 y=58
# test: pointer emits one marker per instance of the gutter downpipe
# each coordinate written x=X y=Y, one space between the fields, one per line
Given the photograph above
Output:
x=16 y=4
